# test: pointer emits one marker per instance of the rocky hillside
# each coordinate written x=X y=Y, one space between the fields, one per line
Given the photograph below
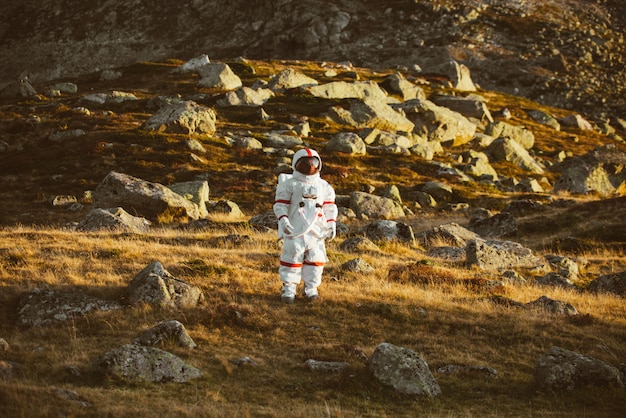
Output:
x=565 y=53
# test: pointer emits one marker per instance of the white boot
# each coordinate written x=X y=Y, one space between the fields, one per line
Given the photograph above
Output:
x=288 y=293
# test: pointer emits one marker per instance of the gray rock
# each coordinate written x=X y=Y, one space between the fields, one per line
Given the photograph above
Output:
x=544 y=119
x=151 y=200
x=290 y=78
x=46 y=307
x=497 y=226
x=506 y=149
x=348 y=143
x=327 y=366
x=519 y=134
x=113 y=219
x=614 y=283
x=246 y=96
x=499 y=254
x=601 y=171
x=359 y=245
x=451 y=233
x=371 y=113
x=139 y=364
x=156 y=286
x=195 y=191
x=478 y=371
x=576 y=121
x=218 y=76
x=553 y=306
x=560 y=370
x=438 y=123
x=471 y=107
x=448 y=253
x=165 y=331
x=183 y=118
x=357 y=265
x=369 y=206
x=388 y=230
x=403 y=369
x=348 y=90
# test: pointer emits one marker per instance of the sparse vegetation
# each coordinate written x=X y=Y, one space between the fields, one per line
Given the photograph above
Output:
x=439 y=309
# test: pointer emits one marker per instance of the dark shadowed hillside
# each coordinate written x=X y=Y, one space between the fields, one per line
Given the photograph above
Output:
x=559 y=52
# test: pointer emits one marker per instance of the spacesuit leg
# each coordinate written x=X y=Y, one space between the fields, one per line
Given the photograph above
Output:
x=290 y=270
x=313 y=265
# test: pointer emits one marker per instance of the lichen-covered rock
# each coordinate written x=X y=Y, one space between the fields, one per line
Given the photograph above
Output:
x=167 y=330
x=137 y=363
x=561 y=369
x=156 y=286
x=153 y=201
x=46 y=307
x=403 y=370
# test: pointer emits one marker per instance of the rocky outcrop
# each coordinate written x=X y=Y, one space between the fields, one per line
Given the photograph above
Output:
x=150 y=200
x=139 y=364
x=560 y=369
x=156 y=286
x=46 y=307
x=404 y=370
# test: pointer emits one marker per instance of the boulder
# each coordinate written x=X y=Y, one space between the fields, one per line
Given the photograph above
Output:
x=576 y=121
x=371 y=113
x=359 y=245
x=519 y=134
x=140 y=364
x=600 y=171
x=397 y=84
x=438 y=123
x=560 y=369
x=290 y=78
x=246 y=96
x=151 y=200
x=357 y=265
x=369 y=206
x=218 y=76
x=387 y=230
x=348 y=90
x=506 y=149
x=113 y=219
x=493 y=255
x=614 y=283
x=195 y=191
x=46 y=307
x=403 y=369
x=470 y=107
x=500 y=225
x=185 y=117
x=348 y=143
x=156 y=286
x=170 y=330
x=451 y=233
x=552 y=306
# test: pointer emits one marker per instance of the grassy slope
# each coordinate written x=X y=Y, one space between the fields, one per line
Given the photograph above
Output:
x=447 y=321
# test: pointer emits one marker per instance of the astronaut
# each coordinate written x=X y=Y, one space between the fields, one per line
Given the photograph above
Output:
x=306 y=212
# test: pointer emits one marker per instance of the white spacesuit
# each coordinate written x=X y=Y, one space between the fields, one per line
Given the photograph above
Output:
x=306 y=212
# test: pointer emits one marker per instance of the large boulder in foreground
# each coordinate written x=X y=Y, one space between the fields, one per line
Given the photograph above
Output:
x=560 y=369
x=44 y=307
x=150 y=200
x=136 y=363
x=403 y=370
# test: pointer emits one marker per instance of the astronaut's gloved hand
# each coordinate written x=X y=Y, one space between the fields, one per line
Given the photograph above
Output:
x=331 y=232
x=285 y=226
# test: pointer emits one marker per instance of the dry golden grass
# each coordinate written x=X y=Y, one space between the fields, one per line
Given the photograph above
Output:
x=428 y=307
